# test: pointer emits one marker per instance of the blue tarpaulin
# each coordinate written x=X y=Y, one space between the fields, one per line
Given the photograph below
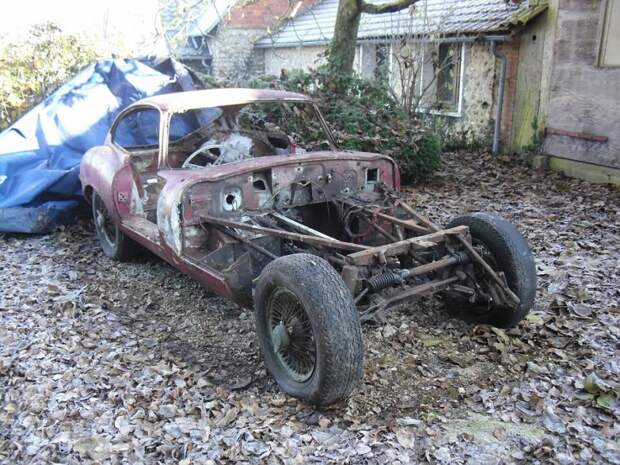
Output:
x=40 y=154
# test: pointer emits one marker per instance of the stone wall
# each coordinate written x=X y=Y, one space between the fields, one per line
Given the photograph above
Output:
x=473 y=126
x=293 y=58
x=582 y=97
x=233 y=52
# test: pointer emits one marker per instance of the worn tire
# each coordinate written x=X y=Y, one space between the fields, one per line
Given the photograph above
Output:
x=328 y=304
x=512 y=255
x=114 y=243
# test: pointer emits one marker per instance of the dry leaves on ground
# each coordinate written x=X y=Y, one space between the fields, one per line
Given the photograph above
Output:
x=135 y=363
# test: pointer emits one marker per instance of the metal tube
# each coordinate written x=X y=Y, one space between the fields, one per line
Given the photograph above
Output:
x=249 y=243
x=300 y=227
x=436 y=265
x=312 y=240
x=500 y=95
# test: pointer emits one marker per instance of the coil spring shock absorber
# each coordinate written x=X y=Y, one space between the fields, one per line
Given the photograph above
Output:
x=393 y=278
x=381 y=281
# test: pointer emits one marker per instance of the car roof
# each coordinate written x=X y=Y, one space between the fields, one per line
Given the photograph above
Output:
x=195 y=99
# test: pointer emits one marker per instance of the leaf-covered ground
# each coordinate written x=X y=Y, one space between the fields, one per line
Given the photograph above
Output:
x=136 y=363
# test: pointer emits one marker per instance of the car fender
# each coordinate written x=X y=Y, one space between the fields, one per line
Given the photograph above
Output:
x=98 y=168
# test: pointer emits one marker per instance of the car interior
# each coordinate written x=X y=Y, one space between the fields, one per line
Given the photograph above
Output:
x=204 y=138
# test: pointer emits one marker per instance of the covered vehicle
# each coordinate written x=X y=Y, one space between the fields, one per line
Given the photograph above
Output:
x=246 y=191
x=40 y=153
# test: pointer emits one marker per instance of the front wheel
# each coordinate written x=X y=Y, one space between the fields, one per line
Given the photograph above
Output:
x=506 y=250
x=113 y=242
x=308 y=329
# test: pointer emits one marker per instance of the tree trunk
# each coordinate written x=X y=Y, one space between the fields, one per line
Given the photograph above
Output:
x=342 y=49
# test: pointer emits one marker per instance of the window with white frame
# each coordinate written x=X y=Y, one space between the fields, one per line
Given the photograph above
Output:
x=383 y=58
x=440 y=79
x=374 y=60
x=609 y=53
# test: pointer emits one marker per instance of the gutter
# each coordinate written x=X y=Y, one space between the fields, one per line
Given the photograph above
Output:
x=262 y=43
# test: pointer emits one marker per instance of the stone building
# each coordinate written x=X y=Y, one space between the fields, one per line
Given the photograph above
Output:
x=217 y=37
x=539 y=76
x=522 y=76
x=442 y=57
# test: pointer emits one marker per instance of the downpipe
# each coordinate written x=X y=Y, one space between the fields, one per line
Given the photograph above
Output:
x=500 y=95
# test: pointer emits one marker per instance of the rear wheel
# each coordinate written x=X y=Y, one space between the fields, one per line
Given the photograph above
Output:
x=308 y=329
x=113 y=242
x=505 y=250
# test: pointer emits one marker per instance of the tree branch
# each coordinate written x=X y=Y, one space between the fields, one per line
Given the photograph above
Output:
x=388 y=7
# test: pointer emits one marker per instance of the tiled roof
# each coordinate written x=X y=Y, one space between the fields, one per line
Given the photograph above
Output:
x=428 y=17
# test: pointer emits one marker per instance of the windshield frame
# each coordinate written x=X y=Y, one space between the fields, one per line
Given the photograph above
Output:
x=167 y=118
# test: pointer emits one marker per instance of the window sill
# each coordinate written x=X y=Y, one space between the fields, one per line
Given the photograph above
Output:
x=452 y=114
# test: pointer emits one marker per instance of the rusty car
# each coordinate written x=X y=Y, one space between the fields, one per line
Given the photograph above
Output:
x=247 y=192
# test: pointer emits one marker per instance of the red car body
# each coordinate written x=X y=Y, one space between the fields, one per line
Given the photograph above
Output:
x=108 y=170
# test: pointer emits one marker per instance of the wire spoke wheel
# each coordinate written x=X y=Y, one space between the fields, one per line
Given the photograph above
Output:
x=291 y=334
x=104 y=223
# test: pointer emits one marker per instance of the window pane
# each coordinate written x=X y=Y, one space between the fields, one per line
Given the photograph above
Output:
x=138 y=130
x=448 y=74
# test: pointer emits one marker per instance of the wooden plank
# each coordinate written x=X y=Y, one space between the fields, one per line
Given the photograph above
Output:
x=365 y=257
x=577 y=135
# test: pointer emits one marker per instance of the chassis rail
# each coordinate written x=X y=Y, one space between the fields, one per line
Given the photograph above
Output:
x=369 y=271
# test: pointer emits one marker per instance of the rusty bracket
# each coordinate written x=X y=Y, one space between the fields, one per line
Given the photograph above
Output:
x=470 y=250
x=366 y=257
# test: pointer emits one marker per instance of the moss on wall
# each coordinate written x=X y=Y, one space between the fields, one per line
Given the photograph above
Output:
x=589 y=172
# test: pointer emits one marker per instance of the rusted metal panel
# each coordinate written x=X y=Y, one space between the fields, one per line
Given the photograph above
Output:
x=368 y=256
x=195 y=99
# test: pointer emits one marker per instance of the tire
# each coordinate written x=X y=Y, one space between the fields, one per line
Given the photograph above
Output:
x=114 y=243
x=324 y=305
x=511 y=254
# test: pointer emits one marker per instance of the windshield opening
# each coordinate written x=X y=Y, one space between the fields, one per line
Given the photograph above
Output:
x=227 y=134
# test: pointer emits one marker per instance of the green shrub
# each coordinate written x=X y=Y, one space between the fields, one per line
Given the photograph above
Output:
x=422 y=161
x=31 y=69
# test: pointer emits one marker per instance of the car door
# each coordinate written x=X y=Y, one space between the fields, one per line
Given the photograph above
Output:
x=137 y=133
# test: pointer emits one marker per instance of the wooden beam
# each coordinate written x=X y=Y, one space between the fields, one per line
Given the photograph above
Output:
x=576 y=135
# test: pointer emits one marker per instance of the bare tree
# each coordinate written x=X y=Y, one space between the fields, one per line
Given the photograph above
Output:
x=342 y=48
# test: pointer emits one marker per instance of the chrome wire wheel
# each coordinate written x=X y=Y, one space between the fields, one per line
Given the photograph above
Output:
x=291 y=334
x=103 y=222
